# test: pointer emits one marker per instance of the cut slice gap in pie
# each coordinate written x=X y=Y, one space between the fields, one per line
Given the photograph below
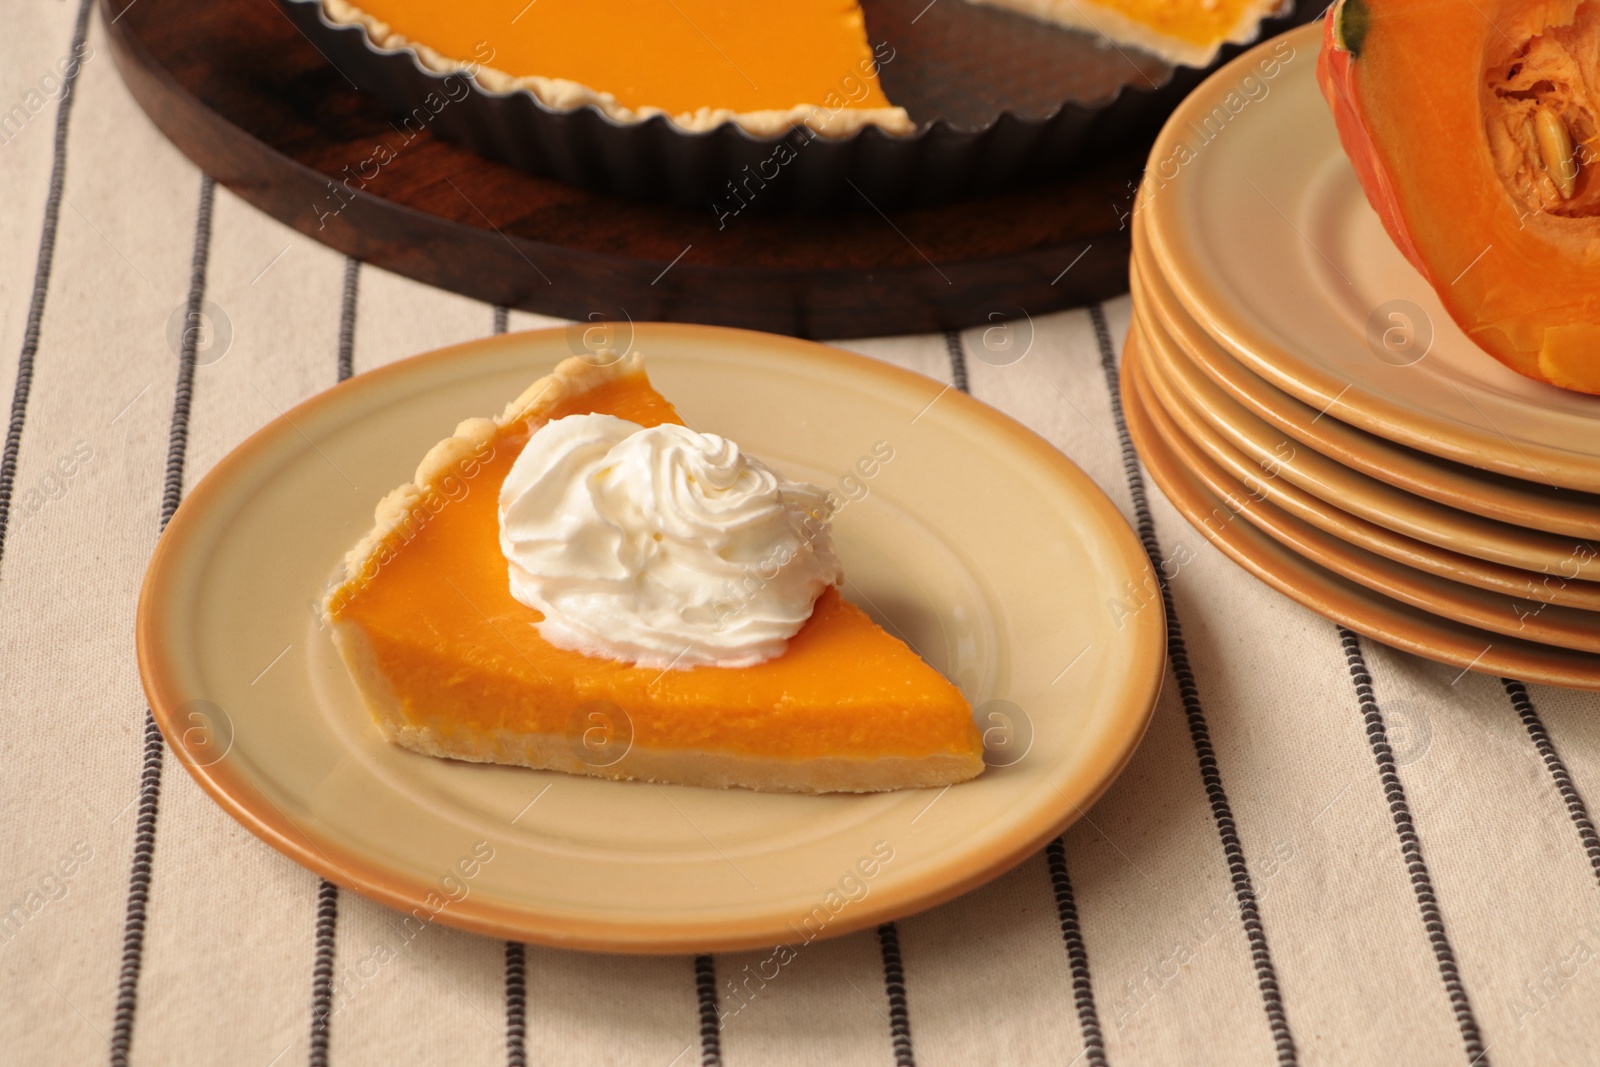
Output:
x=450 y=664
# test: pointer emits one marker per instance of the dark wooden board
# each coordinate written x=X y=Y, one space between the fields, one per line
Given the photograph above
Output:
x=237 y=88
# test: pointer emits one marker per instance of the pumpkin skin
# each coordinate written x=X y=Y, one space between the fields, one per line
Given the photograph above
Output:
x=1436 y=102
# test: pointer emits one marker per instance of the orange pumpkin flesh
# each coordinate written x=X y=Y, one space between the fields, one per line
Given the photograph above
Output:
x=1438 y=105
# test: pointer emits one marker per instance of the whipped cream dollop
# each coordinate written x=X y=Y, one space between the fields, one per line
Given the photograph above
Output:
x=662 y=547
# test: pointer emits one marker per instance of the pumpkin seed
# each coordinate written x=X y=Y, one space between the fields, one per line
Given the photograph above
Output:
x=1543 y=188
x=1555 y=148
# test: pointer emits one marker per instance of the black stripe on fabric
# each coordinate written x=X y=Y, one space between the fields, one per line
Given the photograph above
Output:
x=144 y=834
x=1199 y=732
x=516 y=953
x=705 y=987
x=1411 y=849
x=347 y=317
x=322 y=972
x=1094 y=1045
x=958 y=359
x=1523 y=703
x=326 y=943
x=894 y=987
x=516 y=1005
x=41 y=275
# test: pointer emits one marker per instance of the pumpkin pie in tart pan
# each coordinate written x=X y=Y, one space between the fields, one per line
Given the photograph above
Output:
x=811 y=104
x=585 y=584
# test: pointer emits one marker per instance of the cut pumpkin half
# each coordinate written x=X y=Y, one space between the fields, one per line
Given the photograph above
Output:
x=1475 y=131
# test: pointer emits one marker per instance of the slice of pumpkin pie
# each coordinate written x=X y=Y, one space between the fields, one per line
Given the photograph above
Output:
x=584 y=584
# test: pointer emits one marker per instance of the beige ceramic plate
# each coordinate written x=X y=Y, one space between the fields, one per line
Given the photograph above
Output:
x=1494 y=496
x=1354 y=492
x=1494 y=610
x=1223 y=427
x=979 y=542
x=1265 y=481
x=1258 y=223
x=1340 y=599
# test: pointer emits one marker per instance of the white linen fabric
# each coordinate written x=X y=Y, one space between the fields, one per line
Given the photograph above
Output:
x=1325 y=851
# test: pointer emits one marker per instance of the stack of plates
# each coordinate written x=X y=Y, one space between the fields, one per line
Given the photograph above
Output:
x=1298 y=391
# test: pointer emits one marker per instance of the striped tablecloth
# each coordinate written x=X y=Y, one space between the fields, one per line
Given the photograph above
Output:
x=1324 y=852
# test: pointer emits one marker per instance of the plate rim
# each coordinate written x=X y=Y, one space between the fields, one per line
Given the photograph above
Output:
x=1444 y=437
x=256 y=811
x=1256 y=394
x=1343 y=601
x=1158 y=365
x=1331 y=551
x=1334 y=520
